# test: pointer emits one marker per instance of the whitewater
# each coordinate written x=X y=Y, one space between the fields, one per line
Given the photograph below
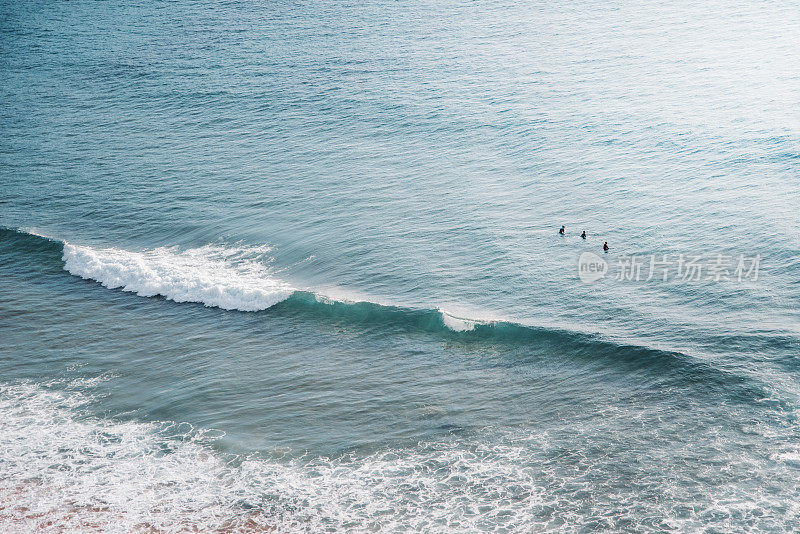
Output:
x=230 y=278
x=208 y=275
x=115 y=476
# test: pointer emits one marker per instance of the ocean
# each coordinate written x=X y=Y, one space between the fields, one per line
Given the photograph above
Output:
x=296 y=266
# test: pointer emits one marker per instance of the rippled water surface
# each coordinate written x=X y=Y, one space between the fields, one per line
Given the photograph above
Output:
x=295 y=266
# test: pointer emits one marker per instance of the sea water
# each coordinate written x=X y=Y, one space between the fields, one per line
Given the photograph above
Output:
x=296 y=266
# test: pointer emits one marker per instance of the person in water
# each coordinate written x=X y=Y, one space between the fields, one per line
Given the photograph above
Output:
x=605 y=246
x=562 y=230
x=583 y=235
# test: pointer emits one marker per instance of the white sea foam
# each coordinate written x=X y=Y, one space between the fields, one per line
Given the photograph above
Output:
x=231 y=278
x=458 y=324
x=63 y=470
x=65 y=473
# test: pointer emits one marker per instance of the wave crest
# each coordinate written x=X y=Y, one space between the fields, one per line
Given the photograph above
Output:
x=236 y=277
x=226 y=278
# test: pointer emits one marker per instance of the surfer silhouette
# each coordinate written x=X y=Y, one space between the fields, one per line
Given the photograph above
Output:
x=562 y=230
x=583 y=235
x=605 y=246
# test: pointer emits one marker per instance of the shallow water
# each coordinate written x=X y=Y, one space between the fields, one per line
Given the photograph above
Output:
x=296 y=266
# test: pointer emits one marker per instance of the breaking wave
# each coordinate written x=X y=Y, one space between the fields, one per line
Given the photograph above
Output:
x=216 y=276
x=234 y=277
x=240 y=278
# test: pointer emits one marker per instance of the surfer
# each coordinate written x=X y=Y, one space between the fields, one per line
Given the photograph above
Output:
x=562 y=230
x=583 y=235
x=605 y=246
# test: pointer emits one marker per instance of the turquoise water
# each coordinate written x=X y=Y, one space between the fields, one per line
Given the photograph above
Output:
x=296 y=266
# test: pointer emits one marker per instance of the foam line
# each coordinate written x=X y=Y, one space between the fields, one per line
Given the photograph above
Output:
x=214 y=276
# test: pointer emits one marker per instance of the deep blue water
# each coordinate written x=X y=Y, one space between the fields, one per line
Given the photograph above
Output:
x=296 y=266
